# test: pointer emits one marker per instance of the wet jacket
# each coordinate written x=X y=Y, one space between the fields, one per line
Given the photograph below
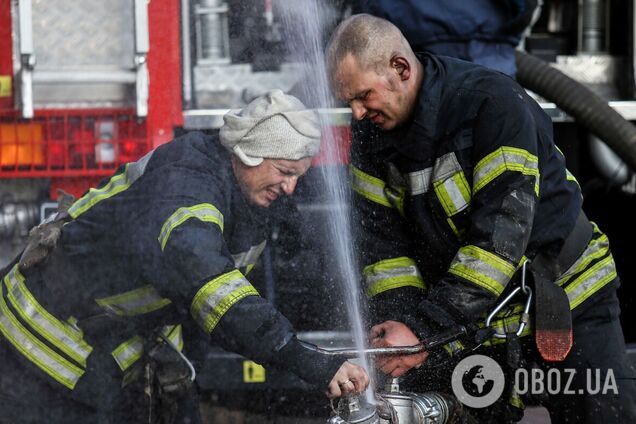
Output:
x=451 y=204
x=486 y=33
x=168 y=238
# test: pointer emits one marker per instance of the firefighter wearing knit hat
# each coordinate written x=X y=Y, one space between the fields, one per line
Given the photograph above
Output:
x=273 y=126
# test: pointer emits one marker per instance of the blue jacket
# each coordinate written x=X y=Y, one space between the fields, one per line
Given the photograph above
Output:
x=480 y=31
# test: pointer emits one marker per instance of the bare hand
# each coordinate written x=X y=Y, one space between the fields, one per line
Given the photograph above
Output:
x=393 y=333
x=350 y=378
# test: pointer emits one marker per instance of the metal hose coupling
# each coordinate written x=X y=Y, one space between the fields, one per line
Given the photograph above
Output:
x=397 y=407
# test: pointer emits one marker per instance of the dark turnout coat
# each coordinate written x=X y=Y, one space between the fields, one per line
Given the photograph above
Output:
x=450 y=205
x=166 y=239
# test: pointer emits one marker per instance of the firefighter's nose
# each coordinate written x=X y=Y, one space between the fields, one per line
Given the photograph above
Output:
x=289 y=185
x=358 y=110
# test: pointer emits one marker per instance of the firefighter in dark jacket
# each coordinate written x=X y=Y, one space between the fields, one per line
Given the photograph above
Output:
x=459 y=188
x=168 y=238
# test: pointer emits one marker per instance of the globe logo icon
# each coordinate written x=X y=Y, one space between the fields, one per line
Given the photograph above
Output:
x=478 y=381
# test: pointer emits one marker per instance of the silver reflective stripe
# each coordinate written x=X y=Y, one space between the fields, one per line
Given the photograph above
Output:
x=35 y=350
x=117 y=184
x=134 y=302
x=217 y=296
x=53 y=330
x=174 y=333
x=369 y=187
x=250 y=257
x=128 y=352
x=483 y=268
x=390 y=274
x=450 y=184
x=419 y=181
x=205 y=212
x=504 y=159
x=446 y=166
x=132 y=349
x=590 y=281
x=595 y=249
x=137 y=169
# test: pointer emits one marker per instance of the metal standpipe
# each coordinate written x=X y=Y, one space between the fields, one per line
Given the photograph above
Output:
x=396 y=407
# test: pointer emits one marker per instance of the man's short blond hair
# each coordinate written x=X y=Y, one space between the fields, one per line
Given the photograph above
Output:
x=372 y=41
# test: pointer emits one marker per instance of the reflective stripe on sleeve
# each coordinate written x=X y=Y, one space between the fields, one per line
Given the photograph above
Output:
x=390 y=274
x=482 y=268
x=174 y=333
x=419 y=181
x=58 y=368
x=128 y=352
x=59 y=334
x=214 y=299
x=369 y=187
x=592 y=270
x=596 y=248
x=134 y=302
x=205 y=212
x=132 y=349
x=450 y=184
x=591 y=281
x=505 y=159
x=117 y=184
x=250 y=257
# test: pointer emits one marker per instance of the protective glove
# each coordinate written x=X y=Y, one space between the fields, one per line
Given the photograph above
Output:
x=43 y=238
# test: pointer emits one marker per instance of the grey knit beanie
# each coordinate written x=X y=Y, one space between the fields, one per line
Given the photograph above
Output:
x=275 y=126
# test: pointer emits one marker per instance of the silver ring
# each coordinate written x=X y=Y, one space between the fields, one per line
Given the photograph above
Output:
x=345 y=382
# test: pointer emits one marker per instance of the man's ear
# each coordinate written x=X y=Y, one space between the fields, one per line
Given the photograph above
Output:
x=402 y=67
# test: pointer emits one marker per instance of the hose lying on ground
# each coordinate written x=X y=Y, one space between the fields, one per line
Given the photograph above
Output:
x=579 y=102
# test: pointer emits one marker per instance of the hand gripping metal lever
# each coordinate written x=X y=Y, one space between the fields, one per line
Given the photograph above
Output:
x=426 y=345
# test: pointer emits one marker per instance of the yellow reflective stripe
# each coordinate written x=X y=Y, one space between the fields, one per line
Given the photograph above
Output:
x=174 y=333
x=452 y=226
x=507 y=321
x=249 y=258
x=482 y=268
x=134 y=302
x=453 y=193
x=450 y=185
x=205 y=212
x=58 y=368
x=591 y=281
x=396 y=197
x=214 y=299
x=53 y=330
x=505 y=159
x=570 y=176
x=128 y=352
x=515 y=400
x=390 y=274
x=369 y=187
x=453 y=347
x=118 y=183
x=596 y=249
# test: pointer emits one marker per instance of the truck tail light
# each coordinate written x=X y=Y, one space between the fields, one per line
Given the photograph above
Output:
x=21 y=144
x=70 y=143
